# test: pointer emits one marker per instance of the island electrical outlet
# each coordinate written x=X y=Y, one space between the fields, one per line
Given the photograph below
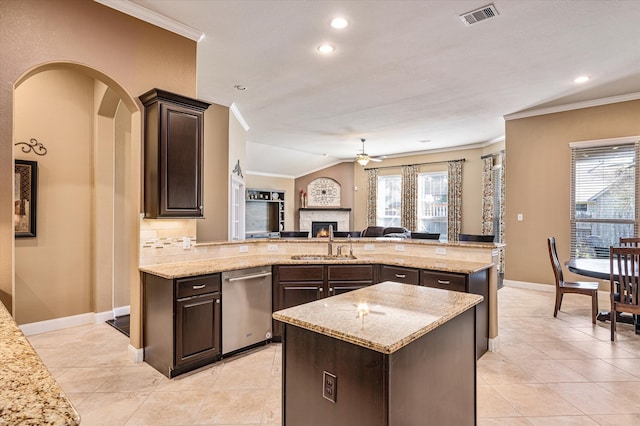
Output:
x=329 y=386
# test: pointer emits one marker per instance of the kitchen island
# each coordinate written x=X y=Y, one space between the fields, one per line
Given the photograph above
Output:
x=388 y=354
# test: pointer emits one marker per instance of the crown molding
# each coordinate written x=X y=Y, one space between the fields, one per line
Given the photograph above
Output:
x=153 y=18
x=236 y=113
x=570 y=107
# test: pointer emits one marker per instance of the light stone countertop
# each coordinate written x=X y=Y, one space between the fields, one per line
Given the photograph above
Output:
x=210 y=266
x=398 y=314
x=28 y=393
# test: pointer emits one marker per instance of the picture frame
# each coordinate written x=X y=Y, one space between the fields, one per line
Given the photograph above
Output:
x=25 y=198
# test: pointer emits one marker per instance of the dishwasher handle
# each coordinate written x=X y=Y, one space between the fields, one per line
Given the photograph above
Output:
x=249 y=277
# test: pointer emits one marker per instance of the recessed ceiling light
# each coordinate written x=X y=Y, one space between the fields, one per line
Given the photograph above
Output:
x=425 y=141
x=339 y=23
x=240 y=87
x=582 y=79
x=326 y=48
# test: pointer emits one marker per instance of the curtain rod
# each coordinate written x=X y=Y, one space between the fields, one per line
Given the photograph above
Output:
x=417 y=164
x=492 y=155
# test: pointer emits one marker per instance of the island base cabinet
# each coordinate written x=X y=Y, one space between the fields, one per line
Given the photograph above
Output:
x=431 y=381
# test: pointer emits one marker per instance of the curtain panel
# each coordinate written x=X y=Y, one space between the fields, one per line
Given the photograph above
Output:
x=487 y=195
x=409 y=200
x=454 y=199
x=372 y=196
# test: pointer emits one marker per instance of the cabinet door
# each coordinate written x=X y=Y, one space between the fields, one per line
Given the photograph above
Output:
x=181 y=161
x=338 y=287
x=297 y=293
x=197 y=327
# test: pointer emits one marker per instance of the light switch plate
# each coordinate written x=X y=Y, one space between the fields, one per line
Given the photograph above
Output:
x=272 y=247
x=244 y=249
x=369 y=247
x=441 y=250
x=399 y=247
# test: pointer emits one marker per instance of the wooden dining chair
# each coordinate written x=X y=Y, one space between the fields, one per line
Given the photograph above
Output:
x=630 y=242
x=624 y=290
x=588 y=288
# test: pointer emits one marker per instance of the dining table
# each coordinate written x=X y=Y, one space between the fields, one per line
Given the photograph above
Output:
x=600 y=268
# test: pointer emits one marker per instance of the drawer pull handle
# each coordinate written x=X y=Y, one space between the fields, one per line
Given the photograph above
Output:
x=444 y=282
x=401 y=275
x=198 y=287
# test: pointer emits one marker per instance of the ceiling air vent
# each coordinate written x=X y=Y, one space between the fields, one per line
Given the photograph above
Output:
x=485 y=12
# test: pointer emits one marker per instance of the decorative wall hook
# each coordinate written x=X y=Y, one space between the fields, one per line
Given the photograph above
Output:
x=33 y=145
x=238 y=170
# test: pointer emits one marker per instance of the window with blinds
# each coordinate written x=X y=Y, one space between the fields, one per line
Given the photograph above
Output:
x=604 y=193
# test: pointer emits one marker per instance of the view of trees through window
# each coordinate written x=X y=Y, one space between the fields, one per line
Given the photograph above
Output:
x=388 y=202
x=603 y=198
x=432 y=202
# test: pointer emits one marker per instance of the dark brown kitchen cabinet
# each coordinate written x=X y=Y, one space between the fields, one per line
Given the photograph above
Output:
x=182 y=322
x=399 y=274
x=476 y=283
x=294 y=285
x=173 y=133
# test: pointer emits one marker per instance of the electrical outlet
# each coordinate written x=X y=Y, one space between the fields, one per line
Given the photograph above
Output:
x=369 y=247
x=441 y=250
x=329 y=386
x=399 y=247
x=272 y=247
x=244 y=249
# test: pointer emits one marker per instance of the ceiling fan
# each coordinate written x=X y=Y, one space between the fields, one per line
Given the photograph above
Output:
x=363 y=158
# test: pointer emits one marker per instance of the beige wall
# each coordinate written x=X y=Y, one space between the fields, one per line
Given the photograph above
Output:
x=342 y=173
x=216 y=175
x=119 y=50
x=538 y=181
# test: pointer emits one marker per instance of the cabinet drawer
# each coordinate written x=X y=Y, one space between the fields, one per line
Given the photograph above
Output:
x=350 y=272
x=400 y=274
x=301 y=273
x=444 y=280
x=194 y=286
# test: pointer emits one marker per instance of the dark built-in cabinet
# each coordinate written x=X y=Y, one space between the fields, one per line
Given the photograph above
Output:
x=294 y=285
x=182 y=322
x=173 y=138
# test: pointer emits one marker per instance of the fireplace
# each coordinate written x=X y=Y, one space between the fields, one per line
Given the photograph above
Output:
x=321 y=229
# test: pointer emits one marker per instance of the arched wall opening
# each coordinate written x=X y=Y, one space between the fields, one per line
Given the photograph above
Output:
x=82 y=266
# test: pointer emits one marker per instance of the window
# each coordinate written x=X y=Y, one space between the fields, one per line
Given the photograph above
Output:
x=604 y=189
x=432 y=203
x=388 y=202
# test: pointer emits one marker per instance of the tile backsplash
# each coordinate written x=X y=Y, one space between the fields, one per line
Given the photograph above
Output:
x=166 y=240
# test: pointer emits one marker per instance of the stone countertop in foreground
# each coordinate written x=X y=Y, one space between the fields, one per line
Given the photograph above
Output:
x=28 y=393
x=210 y=266
x=398 y=314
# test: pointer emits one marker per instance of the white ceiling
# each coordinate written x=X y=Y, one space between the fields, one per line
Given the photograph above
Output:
x=403 y=71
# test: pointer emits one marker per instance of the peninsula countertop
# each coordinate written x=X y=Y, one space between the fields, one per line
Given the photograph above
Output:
x=210 y=266
x=398 y=314
x=29 y=395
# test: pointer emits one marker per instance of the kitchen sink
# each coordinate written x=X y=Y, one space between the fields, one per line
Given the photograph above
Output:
x=322 y=257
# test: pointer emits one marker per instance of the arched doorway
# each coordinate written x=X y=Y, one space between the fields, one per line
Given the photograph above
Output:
x=82 y=265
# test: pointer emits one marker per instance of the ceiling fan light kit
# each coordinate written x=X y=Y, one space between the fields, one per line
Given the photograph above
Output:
x=363 y=158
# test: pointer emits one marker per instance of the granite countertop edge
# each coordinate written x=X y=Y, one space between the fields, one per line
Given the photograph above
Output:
x=29 y=394
x=295 y=316
x=210 y=266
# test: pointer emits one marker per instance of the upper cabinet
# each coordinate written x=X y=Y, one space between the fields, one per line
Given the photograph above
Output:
x=173 y=133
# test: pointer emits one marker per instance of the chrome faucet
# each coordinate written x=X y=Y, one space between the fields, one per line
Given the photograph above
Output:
x=330 y=247
x=350 y=245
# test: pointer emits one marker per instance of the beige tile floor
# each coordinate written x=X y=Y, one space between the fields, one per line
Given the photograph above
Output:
x=548 y=371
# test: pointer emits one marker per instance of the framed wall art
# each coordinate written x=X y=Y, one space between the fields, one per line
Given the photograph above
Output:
x=25 y=198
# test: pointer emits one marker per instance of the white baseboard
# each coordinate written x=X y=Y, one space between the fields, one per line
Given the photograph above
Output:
x=136 y=355
x=65 y=322
x=530 y=286
x=122 y=310
x=494 y=344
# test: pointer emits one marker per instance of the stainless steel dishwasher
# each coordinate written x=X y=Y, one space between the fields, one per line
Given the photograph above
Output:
x=246 y=308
